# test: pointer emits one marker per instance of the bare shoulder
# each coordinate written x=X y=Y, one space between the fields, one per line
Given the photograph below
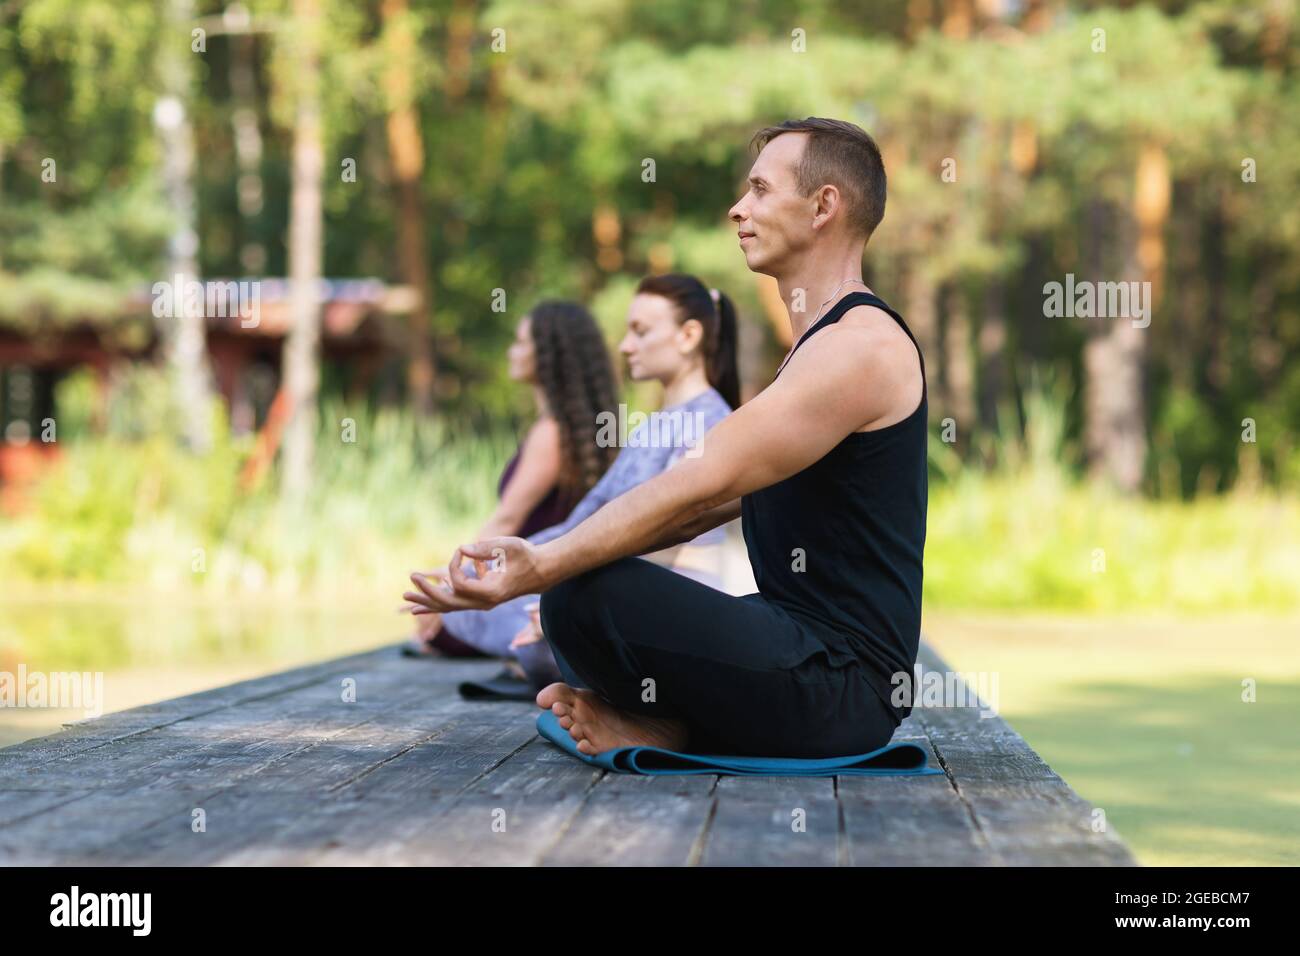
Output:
x=876 y=323
x=545 y=429
x=543 y=438
x=868 y=353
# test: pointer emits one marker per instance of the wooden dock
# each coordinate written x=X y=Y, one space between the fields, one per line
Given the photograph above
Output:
x=282 y=770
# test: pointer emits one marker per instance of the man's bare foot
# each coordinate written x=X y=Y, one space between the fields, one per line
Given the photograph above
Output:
x=597 y=725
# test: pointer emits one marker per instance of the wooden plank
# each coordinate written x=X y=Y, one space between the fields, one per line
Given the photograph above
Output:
x=908 y=821
x=74 y=832
x=285 y=772
x=773 y=821
x=387 y=812
x=507 y=817
x=82 y=736
x=638 y=821
x=267 y=799
x=473 y=744
x=19 y=805
x=205 y=749
x=244 y=826
x=172 y=759
x=1041 y=823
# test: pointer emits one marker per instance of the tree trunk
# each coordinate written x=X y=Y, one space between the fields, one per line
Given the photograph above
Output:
x=920 y=308
x=1116 y=412
x=1114 y=363
x=992 y=347
x=958 y=19
x=407 y=152
x=302 y=350
x=1212 y=362
x=248 y=140
x=184 y=337
x=958 y=374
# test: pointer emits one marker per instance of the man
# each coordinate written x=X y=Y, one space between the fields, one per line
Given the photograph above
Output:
x=826 y=467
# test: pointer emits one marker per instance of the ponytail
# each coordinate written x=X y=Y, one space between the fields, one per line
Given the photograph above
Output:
x=720 y=364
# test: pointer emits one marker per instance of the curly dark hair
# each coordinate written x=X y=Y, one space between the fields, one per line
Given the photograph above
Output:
x=575 y=373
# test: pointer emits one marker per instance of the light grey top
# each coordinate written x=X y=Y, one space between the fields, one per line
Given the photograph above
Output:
x=651 y=448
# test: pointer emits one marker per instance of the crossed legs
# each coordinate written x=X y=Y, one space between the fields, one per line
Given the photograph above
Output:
x=671 y=662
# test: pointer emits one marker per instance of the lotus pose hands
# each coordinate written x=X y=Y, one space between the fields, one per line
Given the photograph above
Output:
x=504 y=568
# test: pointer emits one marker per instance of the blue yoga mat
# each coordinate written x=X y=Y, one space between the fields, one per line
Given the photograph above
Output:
x=893 y=759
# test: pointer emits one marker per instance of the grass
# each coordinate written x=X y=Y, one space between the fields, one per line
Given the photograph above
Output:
x=1034 y=540
x=144 y=514
x=1029 y=534
x=1144 y=717
x=141 y=513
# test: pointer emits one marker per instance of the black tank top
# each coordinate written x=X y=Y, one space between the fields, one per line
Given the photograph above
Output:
x=839 y=545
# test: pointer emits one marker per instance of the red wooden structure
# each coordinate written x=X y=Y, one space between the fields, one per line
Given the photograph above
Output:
x=362 y=340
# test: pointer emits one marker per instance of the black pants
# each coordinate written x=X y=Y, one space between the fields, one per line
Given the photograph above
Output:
x=747 y=678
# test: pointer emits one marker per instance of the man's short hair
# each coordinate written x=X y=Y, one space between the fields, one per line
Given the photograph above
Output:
x=842 y=155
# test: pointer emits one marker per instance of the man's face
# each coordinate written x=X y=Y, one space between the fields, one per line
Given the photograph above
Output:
x=773 y=221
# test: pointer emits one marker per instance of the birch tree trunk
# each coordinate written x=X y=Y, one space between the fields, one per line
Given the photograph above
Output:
x=184 y=336
x=301 y=361
x=407 y=152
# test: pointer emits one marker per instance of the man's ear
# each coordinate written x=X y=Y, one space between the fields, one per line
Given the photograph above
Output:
x=828 y=202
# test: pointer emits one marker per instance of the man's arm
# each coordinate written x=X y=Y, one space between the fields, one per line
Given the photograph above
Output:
x=839 y=380
x=692 y=528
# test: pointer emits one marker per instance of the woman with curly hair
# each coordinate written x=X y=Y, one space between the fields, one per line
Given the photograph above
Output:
x=683 y=335
x=558 y=349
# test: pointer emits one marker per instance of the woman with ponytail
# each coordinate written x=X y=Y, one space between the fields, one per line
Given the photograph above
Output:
x=682 y=334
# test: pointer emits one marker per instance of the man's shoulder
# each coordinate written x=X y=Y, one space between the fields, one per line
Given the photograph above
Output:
x=873 y=321
x=865 y=337
x=870 y=350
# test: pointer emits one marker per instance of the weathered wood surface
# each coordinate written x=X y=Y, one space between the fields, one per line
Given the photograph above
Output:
x=281 y=770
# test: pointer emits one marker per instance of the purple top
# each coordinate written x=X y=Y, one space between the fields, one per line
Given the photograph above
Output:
x=551 y=510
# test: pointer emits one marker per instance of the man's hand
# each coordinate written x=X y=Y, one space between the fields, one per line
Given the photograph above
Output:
x=505 y=568
x=437 y=574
